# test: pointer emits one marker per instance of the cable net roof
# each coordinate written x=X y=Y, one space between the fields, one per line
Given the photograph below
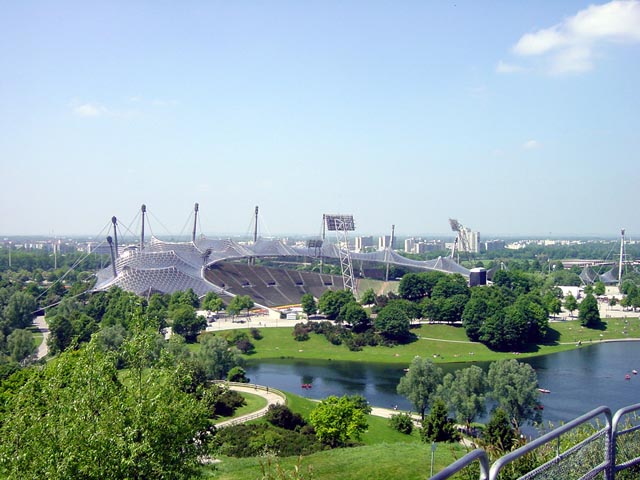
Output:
x=168 y=267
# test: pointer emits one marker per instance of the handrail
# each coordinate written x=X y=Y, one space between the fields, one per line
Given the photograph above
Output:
x=617 y=419
x=538 y=442
x=477 y=454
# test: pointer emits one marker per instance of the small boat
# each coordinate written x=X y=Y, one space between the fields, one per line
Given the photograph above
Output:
x=544 y=390
x=306 y=385
x=627 y=377
x=635 y=372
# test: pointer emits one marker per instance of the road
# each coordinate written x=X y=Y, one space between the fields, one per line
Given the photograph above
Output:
x=42 y=327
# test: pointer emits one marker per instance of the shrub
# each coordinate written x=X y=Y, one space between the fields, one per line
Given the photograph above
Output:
x=255 y=333
x=402 y=422
x=281 y=416
x=245 y=345
x=253 y=440
x=300 y=332
x=237 y=374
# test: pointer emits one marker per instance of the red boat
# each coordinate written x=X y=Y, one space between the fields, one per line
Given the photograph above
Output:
x=627 y=377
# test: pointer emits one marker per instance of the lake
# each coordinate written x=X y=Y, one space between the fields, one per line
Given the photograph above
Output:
x=579 y=380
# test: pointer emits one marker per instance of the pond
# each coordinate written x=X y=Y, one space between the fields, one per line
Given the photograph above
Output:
x=579 y=380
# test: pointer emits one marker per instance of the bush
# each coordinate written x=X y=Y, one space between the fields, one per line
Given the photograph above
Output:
x=438 y=427
x=281 y=416
x=245 y=345
x=255 y=333
x=300 y=332
x=402 y=422
x=253 y=440
x=237 y=374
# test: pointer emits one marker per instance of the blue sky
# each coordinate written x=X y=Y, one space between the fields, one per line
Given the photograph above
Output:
x=513 y=117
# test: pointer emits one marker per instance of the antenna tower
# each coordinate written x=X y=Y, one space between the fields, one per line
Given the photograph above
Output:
x=621 y=263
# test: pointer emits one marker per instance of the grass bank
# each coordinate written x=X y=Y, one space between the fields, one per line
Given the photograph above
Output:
x=444 y=343
x=384 y=453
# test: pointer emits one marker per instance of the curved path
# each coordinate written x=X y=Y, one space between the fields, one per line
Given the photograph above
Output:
x=273 y=397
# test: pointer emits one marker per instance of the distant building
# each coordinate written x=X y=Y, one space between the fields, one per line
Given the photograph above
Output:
x=492 y=245
x=362 y=243
x=409 y=245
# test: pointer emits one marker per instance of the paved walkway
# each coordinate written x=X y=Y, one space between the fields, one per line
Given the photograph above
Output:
x=273 y=397
x=42 y=327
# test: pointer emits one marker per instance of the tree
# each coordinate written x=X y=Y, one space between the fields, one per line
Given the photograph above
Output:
x=216 y=357
x=332 y=301
x=308 y=303
x=75 y=419
x=368 y=297
x=157 y=311
x=393 y=323
x=335 y=420
x=438 y=427
x=186 y=322
x=19 y=311
x=20 y=344
x=570 y=303
x=498 y=432
x=514 y=386
x=464 y=393
x=588 y=312
x=420 y=383
x=212 y=302
x=599 y=288
x=355 y=315
x=239 y=303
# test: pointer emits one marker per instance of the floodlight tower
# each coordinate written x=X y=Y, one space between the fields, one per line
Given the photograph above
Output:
x=342 y=224
x=621 y=258
x=195 y=222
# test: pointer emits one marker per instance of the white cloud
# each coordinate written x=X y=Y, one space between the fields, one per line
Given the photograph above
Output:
x=531 y=145
x=571 y=43
x=89 y=110
x=504 y=67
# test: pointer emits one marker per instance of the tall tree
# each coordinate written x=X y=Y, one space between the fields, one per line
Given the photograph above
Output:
x=216 y=357
x=464 y=393
x=308 y=303
x=20 y=344
x=19 y=311
x=514 y=386
x=393 y=323
x=570 y=303
x=588 y=312
x=186 y=322
x=420 y=383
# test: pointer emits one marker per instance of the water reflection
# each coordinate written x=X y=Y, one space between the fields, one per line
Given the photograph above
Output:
x=579 y=380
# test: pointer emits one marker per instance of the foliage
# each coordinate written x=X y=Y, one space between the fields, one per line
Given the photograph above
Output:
x=570 y=303
x=514 y=386
x=18 y=313
x=336 y=420
x=75 y=419
x=281 y=416
x=393 y=323
x=420 y=383
x=415 y=286
x=464 y=393
x=300 y=332
x=237 y=374
x=356 y=316
x=239 y=303
x=308 y=303
x=186 y=322
x=247 y=440
x=368 y=297
x=437 y=426
x=402 y=422
x=588 y=312
x=20 y=344
x=332 y=301
x=498 y=432
x=216 y=357
x=212 y=302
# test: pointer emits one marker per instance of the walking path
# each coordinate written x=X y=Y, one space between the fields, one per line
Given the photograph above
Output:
x=273 y=397
x=42 y=327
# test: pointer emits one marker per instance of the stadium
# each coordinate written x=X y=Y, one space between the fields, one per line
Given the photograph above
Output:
x=228 y=267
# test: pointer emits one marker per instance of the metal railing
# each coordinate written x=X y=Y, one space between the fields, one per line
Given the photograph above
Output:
x=592 y=457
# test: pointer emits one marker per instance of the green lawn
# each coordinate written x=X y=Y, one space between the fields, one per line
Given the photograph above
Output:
x=444 y=343
x=254 y=403
x=385 y=453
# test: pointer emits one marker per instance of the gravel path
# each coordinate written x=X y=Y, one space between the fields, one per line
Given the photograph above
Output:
x=43 y=328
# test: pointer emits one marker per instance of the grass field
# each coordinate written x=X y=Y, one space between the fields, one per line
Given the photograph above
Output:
x=254 y=403
x=444 y=343
x=385 y=453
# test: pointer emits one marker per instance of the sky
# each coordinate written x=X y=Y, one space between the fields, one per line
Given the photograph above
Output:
x=516 y=118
